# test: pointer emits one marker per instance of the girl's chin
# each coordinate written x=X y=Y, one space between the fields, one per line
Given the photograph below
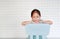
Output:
x=36 y=22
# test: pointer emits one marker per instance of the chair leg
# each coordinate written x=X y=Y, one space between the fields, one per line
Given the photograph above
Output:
x=40 y=37
x=34 y=36
x=31 y=37
x=28 y=37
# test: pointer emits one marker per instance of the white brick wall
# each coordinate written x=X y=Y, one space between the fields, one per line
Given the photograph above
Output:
x=13 y=12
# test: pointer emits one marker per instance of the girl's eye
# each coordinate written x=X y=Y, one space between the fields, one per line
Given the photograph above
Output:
x=33 y=17
x=36 y=17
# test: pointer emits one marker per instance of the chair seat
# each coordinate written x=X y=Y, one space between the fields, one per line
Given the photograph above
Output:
x=37 y=29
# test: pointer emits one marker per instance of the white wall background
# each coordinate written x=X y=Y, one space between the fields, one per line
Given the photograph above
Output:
x=13 y=12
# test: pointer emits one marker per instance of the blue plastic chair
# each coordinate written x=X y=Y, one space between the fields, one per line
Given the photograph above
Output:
x=37 y=31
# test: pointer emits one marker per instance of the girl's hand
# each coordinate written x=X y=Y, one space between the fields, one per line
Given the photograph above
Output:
x=48 y=22
x=25 y=22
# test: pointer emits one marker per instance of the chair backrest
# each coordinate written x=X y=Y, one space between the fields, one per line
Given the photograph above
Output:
x=37 y=29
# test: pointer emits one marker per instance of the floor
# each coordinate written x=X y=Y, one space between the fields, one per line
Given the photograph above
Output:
x=25 y=38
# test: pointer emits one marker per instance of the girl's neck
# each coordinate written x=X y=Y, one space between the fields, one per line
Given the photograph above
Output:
x=36 y=21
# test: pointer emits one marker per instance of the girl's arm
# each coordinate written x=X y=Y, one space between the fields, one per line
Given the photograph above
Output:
x=48 y=22
x=25 y=23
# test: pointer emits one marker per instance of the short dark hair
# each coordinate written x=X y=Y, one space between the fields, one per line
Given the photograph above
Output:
x=35 y=10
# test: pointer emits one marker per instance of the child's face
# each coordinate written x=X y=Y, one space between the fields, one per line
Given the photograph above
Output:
x=36 y=17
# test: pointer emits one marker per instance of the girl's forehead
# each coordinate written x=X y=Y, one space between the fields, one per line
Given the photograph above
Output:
x=35 y=14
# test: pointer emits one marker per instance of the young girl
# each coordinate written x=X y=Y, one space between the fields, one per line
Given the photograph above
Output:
x=36 y=18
